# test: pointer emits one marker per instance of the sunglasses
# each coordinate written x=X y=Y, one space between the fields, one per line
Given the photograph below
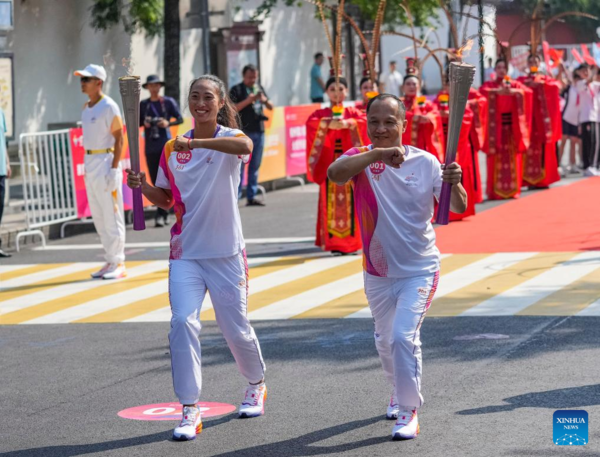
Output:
x=87 y=79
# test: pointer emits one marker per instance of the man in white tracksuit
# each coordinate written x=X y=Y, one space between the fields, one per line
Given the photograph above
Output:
x=394 y=189
x=103 y=144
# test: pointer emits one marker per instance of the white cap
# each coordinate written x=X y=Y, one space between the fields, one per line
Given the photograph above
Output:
x=94 y=71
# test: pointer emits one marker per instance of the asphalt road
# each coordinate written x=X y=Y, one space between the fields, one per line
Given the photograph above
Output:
x=62 y=386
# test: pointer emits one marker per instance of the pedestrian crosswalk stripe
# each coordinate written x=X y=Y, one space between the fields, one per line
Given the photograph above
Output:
x=132 y=310
x=542 y=284
x=476 y=271
x=158 y=297
x=308 y=287
x=309 y=276
x=569 y=300
x=462 y=300
x=341 y=306
x=45 y=274
x=10 y=272
x=36 y=293
x=593 y=309
x=101 y=305
x=66 y=296
x=304 y=301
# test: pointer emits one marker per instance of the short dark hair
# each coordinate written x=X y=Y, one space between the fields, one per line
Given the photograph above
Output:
x=393 y=62
x=501 y=59
x=248 y=68
x=331 y=80
x=401 y=107
x=318 y=55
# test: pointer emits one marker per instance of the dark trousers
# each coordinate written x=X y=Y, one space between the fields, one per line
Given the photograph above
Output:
x=590 y=144
x=153 y=161
x=258 y=139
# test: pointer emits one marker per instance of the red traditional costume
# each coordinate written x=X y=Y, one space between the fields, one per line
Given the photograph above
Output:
x=464 y=155
x=509 y=116
x=479 y=107
x=540 y=163
x=337 y=223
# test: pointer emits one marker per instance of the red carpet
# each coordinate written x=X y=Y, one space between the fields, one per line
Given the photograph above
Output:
x=564 y=218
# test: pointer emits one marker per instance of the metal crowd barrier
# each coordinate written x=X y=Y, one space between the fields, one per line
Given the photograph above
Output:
x=48 y=180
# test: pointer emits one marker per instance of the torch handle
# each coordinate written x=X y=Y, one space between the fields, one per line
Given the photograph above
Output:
x=443 y=216
x=139 y=222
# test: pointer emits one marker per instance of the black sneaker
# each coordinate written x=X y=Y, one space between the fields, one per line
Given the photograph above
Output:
x=255 y=202
x=4 y=254
x=158 y=222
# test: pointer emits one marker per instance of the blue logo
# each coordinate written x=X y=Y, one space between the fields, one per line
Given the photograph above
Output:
x=570 y=427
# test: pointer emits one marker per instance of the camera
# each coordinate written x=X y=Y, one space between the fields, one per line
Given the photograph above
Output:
x=154 y=129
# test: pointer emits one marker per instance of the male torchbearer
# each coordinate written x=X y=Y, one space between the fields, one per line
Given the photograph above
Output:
x=394 y=186
x=103 y=144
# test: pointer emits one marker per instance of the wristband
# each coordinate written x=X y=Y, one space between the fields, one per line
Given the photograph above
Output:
x=189 y=144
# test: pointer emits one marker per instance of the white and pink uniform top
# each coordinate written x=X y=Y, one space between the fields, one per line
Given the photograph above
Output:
x=395 y=207
x=204 y=184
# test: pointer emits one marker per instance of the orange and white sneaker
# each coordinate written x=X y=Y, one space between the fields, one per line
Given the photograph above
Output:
x=407 y=425
x=254 y=401
x=98 y=274
x=393 y=408
x=116 y=271
x=190 y=425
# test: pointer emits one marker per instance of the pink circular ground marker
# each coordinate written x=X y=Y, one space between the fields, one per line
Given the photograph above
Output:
x=172 y=411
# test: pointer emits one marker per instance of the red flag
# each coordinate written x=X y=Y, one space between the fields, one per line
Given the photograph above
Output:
x=587 y=56
x=546 y=49
x=577 y=56
x=557 y=56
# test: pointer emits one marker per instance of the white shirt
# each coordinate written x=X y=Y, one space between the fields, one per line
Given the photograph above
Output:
x=204 y=183
x=392 y=82
x=99 y=122
x=395 y=207
x=589 y=101
x=571 y=110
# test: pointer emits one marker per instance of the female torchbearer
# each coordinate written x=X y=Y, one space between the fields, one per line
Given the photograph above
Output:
x=199 y=174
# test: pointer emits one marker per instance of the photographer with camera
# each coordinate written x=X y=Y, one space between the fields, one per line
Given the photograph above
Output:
x=157 y=114
x=249 y=98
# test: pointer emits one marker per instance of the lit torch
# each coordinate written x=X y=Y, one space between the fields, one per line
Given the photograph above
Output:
x=460 y=79
x=129 y=87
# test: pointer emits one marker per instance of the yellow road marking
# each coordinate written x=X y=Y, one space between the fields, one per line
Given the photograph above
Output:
x=52 y=306
x=505 y=279
x=128 y=311
x=340 y=307
x=569 y=300
x=29 y=270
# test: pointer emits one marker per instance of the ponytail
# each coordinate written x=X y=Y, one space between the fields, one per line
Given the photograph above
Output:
x=227 y=115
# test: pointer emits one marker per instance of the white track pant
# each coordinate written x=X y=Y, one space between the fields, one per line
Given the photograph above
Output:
x=226 y=280
x=398 y=307
x=106 y=207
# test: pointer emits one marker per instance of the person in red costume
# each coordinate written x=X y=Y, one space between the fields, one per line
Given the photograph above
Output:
x=368 y=90
x=463 y=154
x=329 y=133
x=424 y=124
x=540 y=161
x=479 y=105
x=509 y=117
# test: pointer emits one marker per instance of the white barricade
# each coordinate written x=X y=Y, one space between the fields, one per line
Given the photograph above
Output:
x=48 y=180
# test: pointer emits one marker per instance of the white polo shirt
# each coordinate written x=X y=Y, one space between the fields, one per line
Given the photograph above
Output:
x=99 y=122
x=204 y=183
x=395 y=207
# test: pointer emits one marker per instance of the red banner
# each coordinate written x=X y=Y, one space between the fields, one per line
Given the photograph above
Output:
x=295 y=137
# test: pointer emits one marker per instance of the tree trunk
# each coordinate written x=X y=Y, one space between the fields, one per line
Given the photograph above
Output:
x=171 y=49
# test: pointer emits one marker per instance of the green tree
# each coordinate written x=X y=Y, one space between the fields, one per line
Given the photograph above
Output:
x=151 y=17
x=423 y=11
